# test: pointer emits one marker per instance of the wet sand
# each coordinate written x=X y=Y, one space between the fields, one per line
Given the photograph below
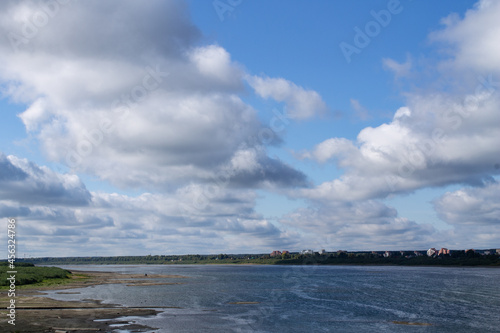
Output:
x=42 y=314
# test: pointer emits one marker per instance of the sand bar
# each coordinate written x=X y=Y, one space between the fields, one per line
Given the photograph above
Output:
x=43 y=314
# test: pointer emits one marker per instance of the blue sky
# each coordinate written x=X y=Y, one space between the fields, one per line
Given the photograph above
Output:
x=248 y=127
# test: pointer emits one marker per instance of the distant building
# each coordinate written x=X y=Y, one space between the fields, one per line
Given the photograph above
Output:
x=498 y=251
x=275 y=254
x=431 y=252
x=443 y=251
x=322 y=251
x=285 y=252
x=387 y=254
x=309 y=251
x=418 y=254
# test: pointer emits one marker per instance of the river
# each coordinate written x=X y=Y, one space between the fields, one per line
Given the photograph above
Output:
x=261 y=298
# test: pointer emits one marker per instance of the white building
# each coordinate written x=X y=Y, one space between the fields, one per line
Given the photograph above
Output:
x=431 y=252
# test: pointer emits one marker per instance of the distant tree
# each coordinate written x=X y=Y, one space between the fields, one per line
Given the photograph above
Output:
x=471 y=254
x=457 y=254
x=342 y=255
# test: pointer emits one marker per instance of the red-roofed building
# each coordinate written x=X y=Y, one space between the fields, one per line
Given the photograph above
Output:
x=275 y=254
x=443 y=251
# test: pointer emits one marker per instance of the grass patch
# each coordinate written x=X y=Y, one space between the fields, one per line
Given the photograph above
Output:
x=36 y=276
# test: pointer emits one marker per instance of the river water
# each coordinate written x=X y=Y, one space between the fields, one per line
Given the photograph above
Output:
x=238 y=298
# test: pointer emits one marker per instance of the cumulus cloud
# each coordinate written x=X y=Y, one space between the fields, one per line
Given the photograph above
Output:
x=149 y=106
x=471 y=206
x=359 y=225
x=372 y=225
x=331 y=148
x=55 y=208
x=115 y=224
x=140 y=105
x=438 y=138
x=436 y=141
x=26 y=183
x=215 y=62
x=473 y=39
x=168 y=28
x=129 y=93
x=301 y=103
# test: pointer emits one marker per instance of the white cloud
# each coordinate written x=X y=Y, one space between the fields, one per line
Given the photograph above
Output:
x=335 y=147
x=215 y=62
x=474 y=39
x=471 y=206
x=147 y=106
x=55 y=208
x=187 y=221
x=129 y=93
x=399 y=69
x=372 y=225
x=402 y=112
x=140 y=105
x=301 y=103
x=245 y=160
x=438 y=138
x=34 y=115
x=361 y=225
x=26 y=183
x=435 y=141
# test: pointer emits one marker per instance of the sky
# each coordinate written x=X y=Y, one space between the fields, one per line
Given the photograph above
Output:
x=236 y=126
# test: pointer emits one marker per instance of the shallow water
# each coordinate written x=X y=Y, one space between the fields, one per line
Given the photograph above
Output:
x=237 y=298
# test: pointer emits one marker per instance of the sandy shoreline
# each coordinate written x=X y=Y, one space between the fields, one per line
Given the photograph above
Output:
x=42 y=314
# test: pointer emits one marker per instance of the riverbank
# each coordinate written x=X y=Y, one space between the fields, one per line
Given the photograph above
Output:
x=35 y=313
x=457 y=258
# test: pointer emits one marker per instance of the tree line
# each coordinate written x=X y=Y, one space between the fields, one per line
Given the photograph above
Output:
x=455 y=258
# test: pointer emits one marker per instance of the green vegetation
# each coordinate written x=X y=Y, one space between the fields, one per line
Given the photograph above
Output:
x=408 y=258
x=26 y=274
x=261 y=259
